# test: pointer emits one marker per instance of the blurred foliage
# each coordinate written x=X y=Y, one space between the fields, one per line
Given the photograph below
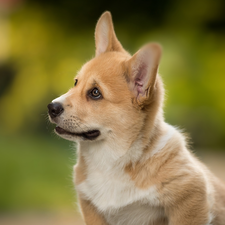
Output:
x=36 y=175
x=44 y=43
x=49 y=41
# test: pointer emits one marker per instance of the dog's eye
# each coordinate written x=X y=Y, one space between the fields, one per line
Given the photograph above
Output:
x=75 y=83
x=95 y=94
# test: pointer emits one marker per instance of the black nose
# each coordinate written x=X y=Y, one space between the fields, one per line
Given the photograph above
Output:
x=55 y=109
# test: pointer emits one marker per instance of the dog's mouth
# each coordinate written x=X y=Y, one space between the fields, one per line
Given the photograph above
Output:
x=90 y=135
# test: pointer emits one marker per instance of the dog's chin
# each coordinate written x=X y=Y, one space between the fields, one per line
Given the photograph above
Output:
x=73 y=136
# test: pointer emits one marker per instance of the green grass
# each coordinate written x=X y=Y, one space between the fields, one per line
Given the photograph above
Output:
x=36 y=173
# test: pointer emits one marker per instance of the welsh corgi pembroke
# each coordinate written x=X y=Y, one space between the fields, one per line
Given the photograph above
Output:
x=132 y=168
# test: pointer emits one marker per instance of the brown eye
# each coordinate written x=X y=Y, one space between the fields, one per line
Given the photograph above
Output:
x=95 y=94
x=75 y=83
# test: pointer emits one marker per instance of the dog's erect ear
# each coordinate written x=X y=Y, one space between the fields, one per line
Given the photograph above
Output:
x=105 y=37
x=142 y=71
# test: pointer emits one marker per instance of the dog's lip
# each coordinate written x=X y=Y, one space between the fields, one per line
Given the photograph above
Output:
x=91 y=134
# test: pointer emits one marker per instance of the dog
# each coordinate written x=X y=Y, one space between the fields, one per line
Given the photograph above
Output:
x=132 y=168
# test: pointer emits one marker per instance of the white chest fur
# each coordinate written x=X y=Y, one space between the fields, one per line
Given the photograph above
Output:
x=109 y=191
x=107 y=185
x=119 y=200
x=112 y=191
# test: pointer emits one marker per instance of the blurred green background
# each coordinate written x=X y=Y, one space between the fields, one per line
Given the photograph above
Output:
x=43 y=43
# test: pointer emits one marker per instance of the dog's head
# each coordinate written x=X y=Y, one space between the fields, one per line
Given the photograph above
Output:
x=111 y=92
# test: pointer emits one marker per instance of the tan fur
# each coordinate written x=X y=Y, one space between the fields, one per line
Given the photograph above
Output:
x=136 y=147
x=80 y=170
x=90 y=214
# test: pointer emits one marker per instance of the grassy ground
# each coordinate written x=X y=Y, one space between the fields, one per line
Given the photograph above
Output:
x=38 y=219
x=36 y=180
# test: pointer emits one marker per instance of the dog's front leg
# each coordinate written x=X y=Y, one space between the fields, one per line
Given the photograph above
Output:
x=90 y=213
x=188 y=214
